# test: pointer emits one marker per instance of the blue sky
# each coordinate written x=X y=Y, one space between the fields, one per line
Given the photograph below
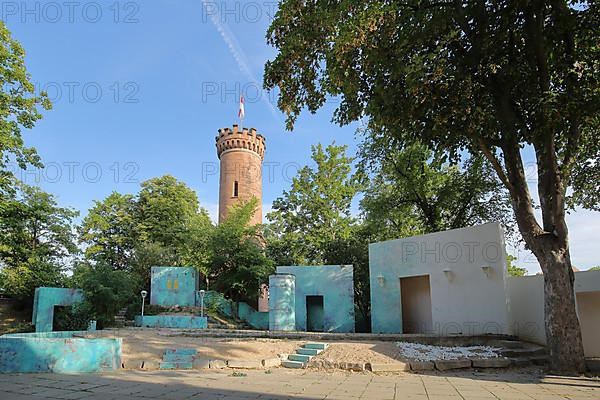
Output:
x=140 y=89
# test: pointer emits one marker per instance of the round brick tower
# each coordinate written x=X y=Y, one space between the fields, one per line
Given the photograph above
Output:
x=241 y=154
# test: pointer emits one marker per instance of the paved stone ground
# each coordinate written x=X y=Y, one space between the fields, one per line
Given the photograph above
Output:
x=285 y=384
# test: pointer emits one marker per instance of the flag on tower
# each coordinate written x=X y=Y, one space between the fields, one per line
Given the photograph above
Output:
x=241 y=113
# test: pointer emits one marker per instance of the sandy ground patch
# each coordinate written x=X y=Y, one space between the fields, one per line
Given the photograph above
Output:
x=149 y=345
x=362 y=352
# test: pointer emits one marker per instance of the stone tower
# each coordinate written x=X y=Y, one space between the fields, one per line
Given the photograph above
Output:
x=241 y=153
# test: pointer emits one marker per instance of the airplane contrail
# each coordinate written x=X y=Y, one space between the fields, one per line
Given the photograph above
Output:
x=238 y=54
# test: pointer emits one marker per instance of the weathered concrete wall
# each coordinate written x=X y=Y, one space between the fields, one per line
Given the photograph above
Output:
x=171 y=321
x=527 y=308
x=58 y=352
x=335 y=283
x=172 y=286
x=44 y=300
x=256 y=319
x=464 y=298
x=282 y=302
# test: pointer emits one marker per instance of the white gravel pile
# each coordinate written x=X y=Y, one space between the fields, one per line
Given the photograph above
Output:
x=425 y=352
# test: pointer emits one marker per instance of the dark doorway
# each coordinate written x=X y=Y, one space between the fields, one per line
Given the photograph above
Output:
x=314 y=313
x=416 y=304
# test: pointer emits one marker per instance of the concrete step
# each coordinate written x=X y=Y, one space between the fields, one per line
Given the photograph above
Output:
x=520 y=361
x=507 y=344
x=308 y=352
x=524 y=352
x=540 y=360
x=299 y=357
x=292 y=364
x=175 y=357
x=318 y=346
x=175 y=365
x=593 y=365
x=182 y=351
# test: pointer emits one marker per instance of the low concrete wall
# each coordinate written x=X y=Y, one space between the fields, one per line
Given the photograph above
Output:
x=212 y=299
x=527 y=308
x=58 y=352
x=44 y=300
x=171 y=321
x=466 y=269
x=256 y=319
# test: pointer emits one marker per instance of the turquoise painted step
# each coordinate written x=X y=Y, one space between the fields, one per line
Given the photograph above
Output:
x=174 y=365
x=308 y=352
x=299 y=357
x=319 y=346
x=175 y=357
x=182 y=351
x=292 y=364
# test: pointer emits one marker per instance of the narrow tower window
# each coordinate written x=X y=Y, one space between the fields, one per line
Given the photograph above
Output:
x=235 y=189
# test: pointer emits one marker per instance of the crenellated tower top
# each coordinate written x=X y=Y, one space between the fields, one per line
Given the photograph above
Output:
x=235 y=139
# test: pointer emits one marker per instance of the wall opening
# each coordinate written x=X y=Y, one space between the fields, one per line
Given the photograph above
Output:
x=416 y=304
x=588 y=304
x=62 y=318
x=314 y=314
x=235 y=189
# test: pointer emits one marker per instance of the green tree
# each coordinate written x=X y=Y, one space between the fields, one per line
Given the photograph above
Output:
x=594 y=268
x=36 y=241
x=514 y=270
x=162 y=225
x=419 y=189
x=317 y=208
x=354 y=250
x=486 y=77
x=18 y=108
x=109 y=231
x=106 y=291
x=167 y=210
x=238 y=262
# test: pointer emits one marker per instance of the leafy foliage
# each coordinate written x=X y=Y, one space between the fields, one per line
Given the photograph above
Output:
x=483 y=77
x=415 y=190
x=18 y=108
x=109 y=230
x=106 y=291
x=514 y=270
x=162 y=225
x=238 y=262
x=36 y=241
x=316 y=210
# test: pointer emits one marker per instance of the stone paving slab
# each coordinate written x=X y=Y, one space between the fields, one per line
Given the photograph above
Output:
x=282 y=384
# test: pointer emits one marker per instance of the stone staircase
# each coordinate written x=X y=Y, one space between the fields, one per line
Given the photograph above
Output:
x=181 y=358
x=303 y=355
x=219 y=322
x=523 y=354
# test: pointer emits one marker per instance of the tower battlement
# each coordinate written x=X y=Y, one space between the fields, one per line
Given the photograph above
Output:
x=246 y=139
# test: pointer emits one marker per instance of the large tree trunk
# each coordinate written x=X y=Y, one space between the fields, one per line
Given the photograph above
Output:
x=563 y=333
x=550 y=245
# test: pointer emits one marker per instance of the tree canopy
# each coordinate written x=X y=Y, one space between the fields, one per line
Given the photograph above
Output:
x=484 y=77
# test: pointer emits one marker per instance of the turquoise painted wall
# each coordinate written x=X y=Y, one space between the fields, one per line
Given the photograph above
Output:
x=172 y=321
x=212 y=299
x=170 y=286
x=58 y=352
x=257 y=320
x=282 y=302
x=463 y=298
x=216 y=300
x=44 y=300
x=335 y=283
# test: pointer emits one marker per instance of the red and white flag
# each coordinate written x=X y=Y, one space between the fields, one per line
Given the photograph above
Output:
x=242 y=112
